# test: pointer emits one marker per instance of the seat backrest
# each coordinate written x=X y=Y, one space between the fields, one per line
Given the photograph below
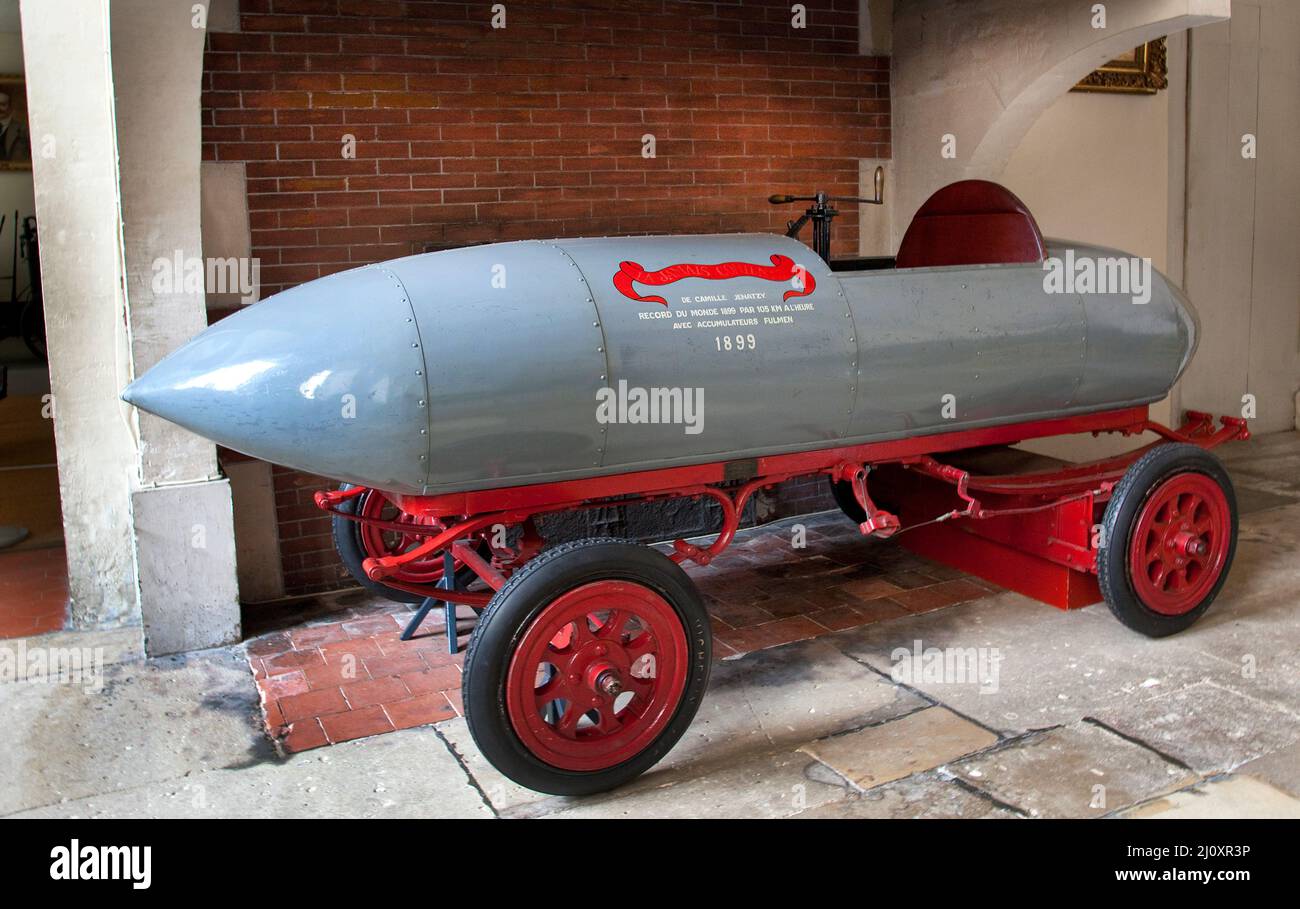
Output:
x=973 y=222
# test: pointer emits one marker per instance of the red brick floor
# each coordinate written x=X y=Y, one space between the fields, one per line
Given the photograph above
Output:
x=331 y=681
x=345 y=677
x=33 y=591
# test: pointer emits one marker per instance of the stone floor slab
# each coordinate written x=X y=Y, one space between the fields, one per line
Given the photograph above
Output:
x=786 y=696
x=1280 y=768
x=1208 y=726
x=924 y=796
x=890 y=751
x=151 y=721
x=503 y=793
x=1054 y=667
x=1227 y=799
x=766 y=785
x=1074 y=771
x=405 y=774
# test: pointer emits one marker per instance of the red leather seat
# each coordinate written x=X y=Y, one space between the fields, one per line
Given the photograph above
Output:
x=973 y=222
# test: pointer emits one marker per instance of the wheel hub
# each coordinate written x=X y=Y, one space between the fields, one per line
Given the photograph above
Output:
x=1186 y=543
x=604 y=679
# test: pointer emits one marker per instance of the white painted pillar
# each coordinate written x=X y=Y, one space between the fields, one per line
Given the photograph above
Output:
x=1242 y=219
x=70 y=102
x=183 y=521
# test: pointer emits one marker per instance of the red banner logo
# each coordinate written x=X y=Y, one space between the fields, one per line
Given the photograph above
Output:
x=782 y=268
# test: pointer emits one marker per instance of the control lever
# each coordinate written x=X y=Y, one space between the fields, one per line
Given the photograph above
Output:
x=821 y=213
x=783 y=199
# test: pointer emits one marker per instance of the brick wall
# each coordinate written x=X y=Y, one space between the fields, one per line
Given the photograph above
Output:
x=469 y=134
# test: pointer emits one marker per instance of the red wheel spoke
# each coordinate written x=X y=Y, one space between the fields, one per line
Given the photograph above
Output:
x=640 y=645
x=611 y=625
x=608 y=722
x=1158 y=579
x=581 y=633
x=556 y=687
x=573 y=714
x=562 y=640
x=640 y=688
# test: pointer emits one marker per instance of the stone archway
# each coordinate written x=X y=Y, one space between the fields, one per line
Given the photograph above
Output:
x=982 y=71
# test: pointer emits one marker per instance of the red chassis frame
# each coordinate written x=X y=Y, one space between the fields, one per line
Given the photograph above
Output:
x=1030 y=532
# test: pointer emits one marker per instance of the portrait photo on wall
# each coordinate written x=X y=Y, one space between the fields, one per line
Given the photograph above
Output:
x=15 y=141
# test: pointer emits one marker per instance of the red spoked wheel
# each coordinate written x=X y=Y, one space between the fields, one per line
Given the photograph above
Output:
x=356 y=541
x=587 y=666
x=1180 y=543
x=377 y=542
x=1170 y=533
x=597 y=675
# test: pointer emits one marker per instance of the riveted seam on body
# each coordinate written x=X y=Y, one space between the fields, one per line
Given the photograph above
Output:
x=427 y=457
x=599 y=325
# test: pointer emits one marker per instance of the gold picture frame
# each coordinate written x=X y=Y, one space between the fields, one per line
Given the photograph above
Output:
x=15 y=140
x=1143 y=71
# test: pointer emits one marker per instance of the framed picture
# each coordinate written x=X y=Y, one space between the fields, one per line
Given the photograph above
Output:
x=15 y=140
x=1142 y=71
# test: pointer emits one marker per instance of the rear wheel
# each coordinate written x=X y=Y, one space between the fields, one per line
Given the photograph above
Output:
x=842 y=490
x=1169 y=536
x=587 y=666
x=881 y=494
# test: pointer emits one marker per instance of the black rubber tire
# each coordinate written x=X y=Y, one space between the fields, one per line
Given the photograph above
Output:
x=848 y=502
x=347 y=543
x=1136 y=486
x=842 y=491
x=510 y=613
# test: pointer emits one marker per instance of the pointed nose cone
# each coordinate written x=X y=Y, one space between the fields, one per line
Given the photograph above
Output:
x=328 y=378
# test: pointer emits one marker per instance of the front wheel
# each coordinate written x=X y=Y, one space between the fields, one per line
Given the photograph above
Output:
x=587 y=666
x=1169 y=535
